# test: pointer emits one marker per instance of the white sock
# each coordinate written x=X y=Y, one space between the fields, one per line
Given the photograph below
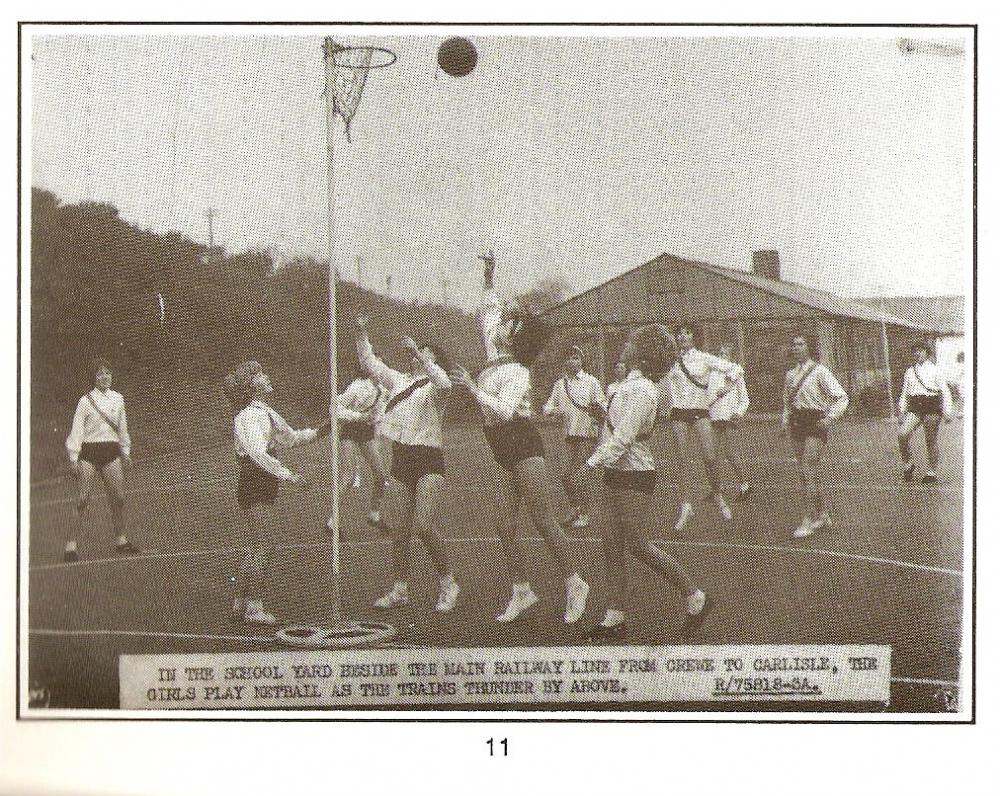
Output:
x=400 y=587
x=254 y=606
x=122 y=539
x=71 y=545
x=521 y=589
x=374 y=515
x=696 y=602
x=446 y=580
x=575 y=580
x=612 y=618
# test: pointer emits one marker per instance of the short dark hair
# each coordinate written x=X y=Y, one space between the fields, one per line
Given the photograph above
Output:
x=809 y=340
x=921 y=345
x=528 y=339
x=654 y=350
x=100 y=362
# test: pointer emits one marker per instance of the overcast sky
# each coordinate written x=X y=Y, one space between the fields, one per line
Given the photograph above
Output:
x=572 y=157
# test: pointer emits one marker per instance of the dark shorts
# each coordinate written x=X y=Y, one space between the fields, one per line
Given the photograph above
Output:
x=100 y=454
x=410 y=463
x=636 y=480
x=924 y=405
x=255 y=486
x=688 y=415
x=514 y=441
x=358 y=432
x=802 y=424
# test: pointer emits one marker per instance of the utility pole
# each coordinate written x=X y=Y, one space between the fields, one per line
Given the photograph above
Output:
x=210 y=214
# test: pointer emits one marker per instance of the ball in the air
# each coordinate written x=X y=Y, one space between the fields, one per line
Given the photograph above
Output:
x=457 y=56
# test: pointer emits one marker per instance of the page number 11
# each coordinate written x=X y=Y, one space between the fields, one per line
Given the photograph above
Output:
x=502 y=744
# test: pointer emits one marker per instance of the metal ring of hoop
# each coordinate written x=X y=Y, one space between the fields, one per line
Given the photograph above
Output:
x=312 y=637
x=373 y=50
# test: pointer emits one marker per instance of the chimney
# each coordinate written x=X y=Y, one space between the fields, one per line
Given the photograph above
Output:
x=766 y=263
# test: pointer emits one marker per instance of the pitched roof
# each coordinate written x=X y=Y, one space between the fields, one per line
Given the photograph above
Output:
x=822 y=300
x=945 y=314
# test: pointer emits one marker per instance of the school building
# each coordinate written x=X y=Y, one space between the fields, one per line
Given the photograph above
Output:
x=756 y=312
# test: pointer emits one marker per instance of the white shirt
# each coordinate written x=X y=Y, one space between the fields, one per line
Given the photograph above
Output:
x=568 y=395
x=632 y=413
x=733 y=403
x=820 y=390
x=362 y=402
x=930 y=374
x=258 y=429
x=416 y=420
x=504 y=386
x=89 y=426
x=685 y=395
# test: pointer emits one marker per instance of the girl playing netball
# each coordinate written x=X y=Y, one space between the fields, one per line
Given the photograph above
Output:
x=690 y=397
x=729 y=407
x=257 y=431
x=412 y=420
x=625 y=459
x=513 y=341
x=924 y=401
x=98 y=444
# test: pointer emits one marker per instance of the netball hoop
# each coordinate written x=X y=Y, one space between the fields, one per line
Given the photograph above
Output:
x=347 y=70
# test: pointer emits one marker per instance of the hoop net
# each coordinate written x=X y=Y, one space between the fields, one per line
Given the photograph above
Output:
x=351 y=66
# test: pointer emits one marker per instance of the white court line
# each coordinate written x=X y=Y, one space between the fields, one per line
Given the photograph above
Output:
x=225 y=485
x=493 y=540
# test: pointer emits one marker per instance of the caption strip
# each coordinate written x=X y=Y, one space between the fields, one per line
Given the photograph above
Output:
x=484 y=676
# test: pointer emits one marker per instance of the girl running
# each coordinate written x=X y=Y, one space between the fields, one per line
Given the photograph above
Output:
x=729 y=407
x=513 y=341
x=99 y=444
x=629 y=470
x=690 y=398
x=257 y=431
x=358 y=409
x=412 y=420
x=814 y=399
x=579 y=398
x=925 y=400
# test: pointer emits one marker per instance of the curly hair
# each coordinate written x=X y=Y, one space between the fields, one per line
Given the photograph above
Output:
x=654 y=350
x=238 y=385
x=100 y=362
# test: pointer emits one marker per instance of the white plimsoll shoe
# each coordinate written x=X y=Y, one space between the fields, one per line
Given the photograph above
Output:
x=824 y=521
x=807 y=528
x=447 y=598
x=687 y=512
x=577 y=590
x=570 y=518
x=394 y=599
x=724 y=510
x=520 y=601
x=258 y=616
x=579 y=522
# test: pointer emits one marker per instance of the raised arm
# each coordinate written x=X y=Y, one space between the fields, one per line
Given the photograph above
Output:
x=437 y=375
x=371 y=363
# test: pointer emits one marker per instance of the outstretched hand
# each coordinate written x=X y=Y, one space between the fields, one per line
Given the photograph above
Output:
x=410 y=345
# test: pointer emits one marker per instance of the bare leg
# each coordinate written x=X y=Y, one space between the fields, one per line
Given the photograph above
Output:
x=727 y=450
x=425 y=500
x=634 y=508
x=931 y=425
x=683 y=463
x=401 y=532
x=906 y=429
x=530 y=483
x=380 y=476
x=577 y=451
x=85 y=473
x=705 y=435
x=114 y=484
x=812 y=450
x=799 y=447
x=253 y=557
x=613 y=542
x=509 y=505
